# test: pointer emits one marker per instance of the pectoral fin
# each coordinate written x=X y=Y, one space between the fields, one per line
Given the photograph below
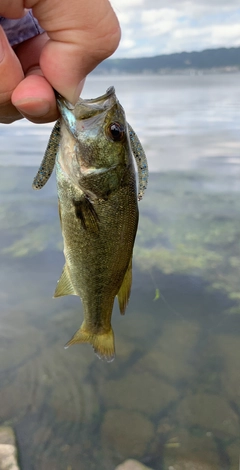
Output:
x=141 y=161
x=64 y=285
x=48 y=162
x=125 y=289
x=86 y=213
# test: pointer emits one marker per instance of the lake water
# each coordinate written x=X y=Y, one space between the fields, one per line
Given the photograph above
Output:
x=171 y=398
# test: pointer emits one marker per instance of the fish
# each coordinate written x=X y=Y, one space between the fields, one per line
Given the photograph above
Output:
x=93 y=149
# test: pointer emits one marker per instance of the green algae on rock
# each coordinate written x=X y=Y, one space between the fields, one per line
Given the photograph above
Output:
x=190 y=226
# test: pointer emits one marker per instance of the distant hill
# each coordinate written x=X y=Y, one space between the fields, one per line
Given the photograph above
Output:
x=223 y=58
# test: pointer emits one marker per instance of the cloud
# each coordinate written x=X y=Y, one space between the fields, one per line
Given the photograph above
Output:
x=152 y=27
x=158 y=22
x=126 y=4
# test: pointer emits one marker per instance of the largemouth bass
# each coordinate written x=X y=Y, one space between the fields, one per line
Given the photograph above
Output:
x=92 y=146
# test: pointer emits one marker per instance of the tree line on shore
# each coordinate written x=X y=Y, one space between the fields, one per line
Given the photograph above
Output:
x=207 y=59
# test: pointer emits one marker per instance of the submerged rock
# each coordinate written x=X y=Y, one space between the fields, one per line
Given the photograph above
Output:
x=132 y=465
x=183 y=447
x=233 y=453
x=170 y=354
x=8 y=451
x=139 y=392
x=7 y=436
x=185 y=464
x=179 y=336
x=125 y=433
x=210 y=412
x=228 y=348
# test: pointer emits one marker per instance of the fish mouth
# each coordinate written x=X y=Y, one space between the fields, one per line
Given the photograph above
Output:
x=110 y=92
x=86 y=108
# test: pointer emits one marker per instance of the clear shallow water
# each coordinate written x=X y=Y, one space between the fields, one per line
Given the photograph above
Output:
x=172 y=395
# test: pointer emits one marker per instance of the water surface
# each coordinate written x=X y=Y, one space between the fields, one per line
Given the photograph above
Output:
x=172 y=395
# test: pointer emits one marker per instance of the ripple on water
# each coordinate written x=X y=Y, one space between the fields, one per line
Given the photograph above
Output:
x=20 y=343
x=72 y=398
x=20 y=395
x=50 y=401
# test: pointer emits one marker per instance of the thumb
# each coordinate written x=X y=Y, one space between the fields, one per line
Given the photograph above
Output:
x=82 y=34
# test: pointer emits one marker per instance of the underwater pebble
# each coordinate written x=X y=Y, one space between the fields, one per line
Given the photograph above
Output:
x=132 y=465
x=8 y=451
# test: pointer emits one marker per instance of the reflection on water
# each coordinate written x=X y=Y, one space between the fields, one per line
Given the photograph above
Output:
x=179 y=119
x=171 y=398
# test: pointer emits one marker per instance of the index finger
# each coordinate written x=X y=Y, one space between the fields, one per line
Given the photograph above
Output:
x=11 y=74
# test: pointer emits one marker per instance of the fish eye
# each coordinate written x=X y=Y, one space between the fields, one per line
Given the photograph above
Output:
x=116 y=131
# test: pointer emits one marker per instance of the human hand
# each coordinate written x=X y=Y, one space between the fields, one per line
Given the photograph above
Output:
x=79 y=35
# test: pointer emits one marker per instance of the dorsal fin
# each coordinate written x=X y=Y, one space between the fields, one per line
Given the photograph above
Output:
x=64 y=285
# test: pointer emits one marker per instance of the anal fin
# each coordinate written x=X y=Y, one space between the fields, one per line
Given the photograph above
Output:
x=125 y=289
x=64 y=285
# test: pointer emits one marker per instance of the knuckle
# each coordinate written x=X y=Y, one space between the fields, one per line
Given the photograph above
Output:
x=11 y=8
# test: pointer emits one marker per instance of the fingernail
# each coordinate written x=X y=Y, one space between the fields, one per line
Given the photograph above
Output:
x=78 y=91
x=2 y=45
x=33 y=107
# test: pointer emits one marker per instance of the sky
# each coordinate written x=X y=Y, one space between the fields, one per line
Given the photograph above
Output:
x=154 y=27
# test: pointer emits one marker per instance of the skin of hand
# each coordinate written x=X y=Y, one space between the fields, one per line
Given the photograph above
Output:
x=79 y=35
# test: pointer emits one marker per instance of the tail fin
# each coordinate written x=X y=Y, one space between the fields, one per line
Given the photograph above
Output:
x=102 y=343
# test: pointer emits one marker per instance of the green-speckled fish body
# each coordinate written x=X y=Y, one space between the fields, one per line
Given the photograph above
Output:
x=98 y=211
